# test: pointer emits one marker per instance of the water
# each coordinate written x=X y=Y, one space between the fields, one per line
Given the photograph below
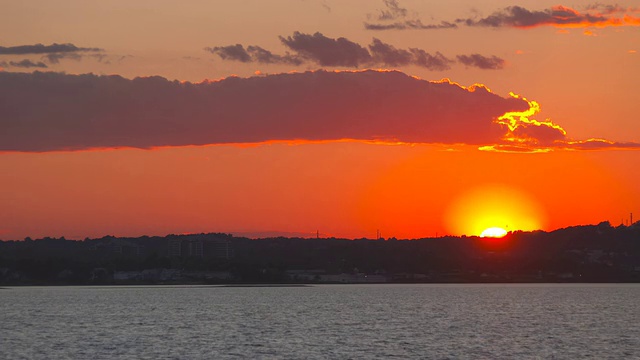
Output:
x=322 y=322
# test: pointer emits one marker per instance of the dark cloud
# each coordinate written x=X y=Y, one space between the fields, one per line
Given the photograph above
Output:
x=327 y=51
x=342 y=52
x=383 y=53
x=43 y=49
x=560 y=16
x=26 y=63
x=52 y=53
x=437 y=62
x=482 y=62
x=388 y=55
x=599 y=15
x=54 y=111
x=517 y=16
x=267 y=57
x=253 y=53
x=231 y=52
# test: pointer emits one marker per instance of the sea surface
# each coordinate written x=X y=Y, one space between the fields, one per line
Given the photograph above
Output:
x=514 y=321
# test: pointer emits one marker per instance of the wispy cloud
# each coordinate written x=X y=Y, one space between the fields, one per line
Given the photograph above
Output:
x=600 y=144
x=325 y=6
x=393 y=11
x=44 y=49
x=415 y=24
x=54 y=58
x=51 y=53
x=26 y=63
x=395 y=17
x=342 y=52
x=55 y=111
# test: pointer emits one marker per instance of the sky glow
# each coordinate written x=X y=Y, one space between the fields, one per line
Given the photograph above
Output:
x=415 y=118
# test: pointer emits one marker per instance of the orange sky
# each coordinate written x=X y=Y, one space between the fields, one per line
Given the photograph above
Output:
x=340 y=189
x=585 y=85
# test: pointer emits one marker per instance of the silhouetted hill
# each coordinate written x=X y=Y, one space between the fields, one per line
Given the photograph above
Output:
x=592 y=253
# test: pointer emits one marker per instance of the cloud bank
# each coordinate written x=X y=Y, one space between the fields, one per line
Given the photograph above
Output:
x=55 y=111
x=341 y=52
x=593 y=15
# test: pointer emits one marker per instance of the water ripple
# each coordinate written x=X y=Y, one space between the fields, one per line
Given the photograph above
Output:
x=322 y=322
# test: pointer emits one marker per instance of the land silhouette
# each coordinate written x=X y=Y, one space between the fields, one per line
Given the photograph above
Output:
x=590 y=253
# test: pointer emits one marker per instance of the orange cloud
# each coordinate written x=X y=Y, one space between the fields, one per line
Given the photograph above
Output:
x=558 y=16
x=522 y=129
x=596 y=15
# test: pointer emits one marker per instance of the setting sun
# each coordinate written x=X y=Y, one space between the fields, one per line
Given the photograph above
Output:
x=494 y=232
x=481 y=210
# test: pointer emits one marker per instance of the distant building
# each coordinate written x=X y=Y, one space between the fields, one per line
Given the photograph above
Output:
x=200 y=246
x=175 y=248
x=186 y=247
x=195 y=248
x=219 y=249
x=118 y=247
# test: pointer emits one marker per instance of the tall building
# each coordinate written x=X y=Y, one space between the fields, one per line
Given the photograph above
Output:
x=175 y=248
x=219 y=249
x=195 y=248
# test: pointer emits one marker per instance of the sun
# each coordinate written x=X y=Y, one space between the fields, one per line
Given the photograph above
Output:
x=477 y=211
x=493 y=232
